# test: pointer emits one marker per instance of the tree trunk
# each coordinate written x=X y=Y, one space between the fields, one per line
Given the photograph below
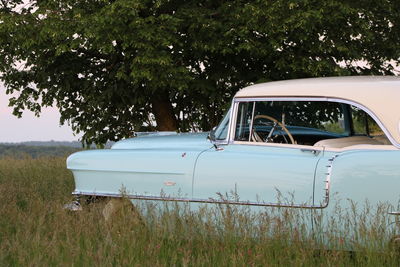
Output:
x=163 y=112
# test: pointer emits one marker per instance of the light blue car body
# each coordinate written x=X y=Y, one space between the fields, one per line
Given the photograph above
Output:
x=143 y=166
x=189 y=167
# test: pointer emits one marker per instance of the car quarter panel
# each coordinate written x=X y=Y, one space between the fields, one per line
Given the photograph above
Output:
x=360 y=175
x=145 y=172
x=364 y=188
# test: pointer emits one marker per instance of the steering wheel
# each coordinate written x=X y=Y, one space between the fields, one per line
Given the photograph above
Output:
x=256 y=137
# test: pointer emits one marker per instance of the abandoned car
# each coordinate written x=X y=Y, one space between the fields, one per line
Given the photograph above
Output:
x=314 y=138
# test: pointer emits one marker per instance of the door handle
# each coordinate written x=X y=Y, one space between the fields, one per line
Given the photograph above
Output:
x=310 y=150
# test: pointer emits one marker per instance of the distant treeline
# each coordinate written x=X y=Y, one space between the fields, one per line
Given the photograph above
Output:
x=37 y=149
x=52 y=143
x=22 y=150
x=75 y=144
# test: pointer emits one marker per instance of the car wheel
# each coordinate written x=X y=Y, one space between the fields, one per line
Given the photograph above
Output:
x=117 y=207
x=395 y=243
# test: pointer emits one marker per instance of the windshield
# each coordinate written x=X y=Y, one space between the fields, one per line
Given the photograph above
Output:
x=221 y=132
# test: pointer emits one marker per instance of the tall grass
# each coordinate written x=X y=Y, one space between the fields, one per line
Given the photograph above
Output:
x=35 y=230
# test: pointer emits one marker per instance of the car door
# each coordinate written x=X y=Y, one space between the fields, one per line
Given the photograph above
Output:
x=262 y=162
x=257 y=173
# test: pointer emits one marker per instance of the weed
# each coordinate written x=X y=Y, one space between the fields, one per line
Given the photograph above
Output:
x=35 y=230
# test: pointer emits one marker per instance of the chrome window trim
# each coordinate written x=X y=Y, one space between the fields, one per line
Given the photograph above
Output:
x=252 y=121
x=330 y=99
x=232 y=121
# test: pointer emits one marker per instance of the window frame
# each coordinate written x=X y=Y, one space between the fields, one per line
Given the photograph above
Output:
x=235 y=106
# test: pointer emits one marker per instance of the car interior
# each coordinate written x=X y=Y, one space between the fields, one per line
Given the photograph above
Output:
x=313 y=123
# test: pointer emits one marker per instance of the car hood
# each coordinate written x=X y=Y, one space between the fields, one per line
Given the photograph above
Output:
x=157 y=141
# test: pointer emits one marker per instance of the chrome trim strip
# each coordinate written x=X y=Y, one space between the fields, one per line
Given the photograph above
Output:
x=277 y=98
x=197 y=200
x=331 y=99
x=127 y=171
x=232 y=116
x=217 y=201
x=328 y=181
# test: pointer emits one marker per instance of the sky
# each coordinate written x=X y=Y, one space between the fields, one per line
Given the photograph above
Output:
x=29 y=127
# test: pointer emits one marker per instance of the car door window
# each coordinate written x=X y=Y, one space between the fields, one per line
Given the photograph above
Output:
x=290 y=122
x=311 y=123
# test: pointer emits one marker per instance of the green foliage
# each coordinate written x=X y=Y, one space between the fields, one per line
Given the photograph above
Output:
x=104 y=62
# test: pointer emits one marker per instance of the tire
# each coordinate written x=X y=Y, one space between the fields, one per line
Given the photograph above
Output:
x=118 y=207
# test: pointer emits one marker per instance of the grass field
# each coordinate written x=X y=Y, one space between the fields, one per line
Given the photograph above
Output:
x=36 y=231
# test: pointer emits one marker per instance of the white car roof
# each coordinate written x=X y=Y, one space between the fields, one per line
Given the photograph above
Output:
x=380 y=95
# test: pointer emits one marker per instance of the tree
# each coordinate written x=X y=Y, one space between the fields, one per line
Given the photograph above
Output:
x=115 y=67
